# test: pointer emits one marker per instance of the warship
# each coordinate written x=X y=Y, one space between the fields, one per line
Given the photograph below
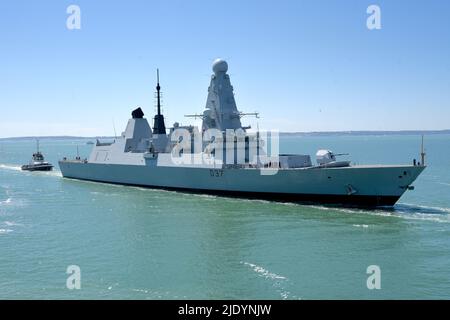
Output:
x=229 y=160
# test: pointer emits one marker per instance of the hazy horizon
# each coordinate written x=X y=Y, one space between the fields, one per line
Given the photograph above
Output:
x=331 y=133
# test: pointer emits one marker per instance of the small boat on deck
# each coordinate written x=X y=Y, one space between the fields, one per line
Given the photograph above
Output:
x=38 y=162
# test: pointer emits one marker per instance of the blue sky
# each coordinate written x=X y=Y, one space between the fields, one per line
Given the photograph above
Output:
x=304 y=65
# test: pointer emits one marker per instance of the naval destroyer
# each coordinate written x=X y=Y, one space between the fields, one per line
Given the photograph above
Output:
x=225 y=158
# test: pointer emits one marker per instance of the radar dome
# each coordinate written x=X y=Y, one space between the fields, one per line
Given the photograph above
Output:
x=220 y=65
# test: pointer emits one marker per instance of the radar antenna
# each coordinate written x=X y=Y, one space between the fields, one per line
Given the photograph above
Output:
x=159 y=126
x=158 y=92
x=243 y=114
x=239 y=114
x=195 y=116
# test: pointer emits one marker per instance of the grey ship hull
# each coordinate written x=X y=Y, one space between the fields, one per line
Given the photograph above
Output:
x=370 y=185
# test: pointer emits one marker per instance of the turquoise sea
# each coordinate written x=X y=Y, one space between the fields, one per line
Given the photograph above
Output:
x=135 y=243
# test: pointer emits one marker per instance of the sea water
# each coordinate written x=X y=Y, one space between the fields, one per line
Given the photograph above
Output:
x=136 y=243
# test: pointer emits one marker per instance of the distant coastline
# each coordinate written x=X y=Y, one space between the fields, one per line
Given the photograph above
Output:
x=367 y=133
x=57 y=138
x=312 y=133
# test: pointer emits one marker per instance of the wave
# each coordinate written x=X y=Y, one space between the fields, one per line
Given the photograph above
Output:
x=4 y=231
x=263 y=272
x=361 y=225
x=158 y=295
x=53 y=173
x=279 y=280
x=422 y=208
x=348 y=210
x=444 y=183
x=10 y=167
x=406 y=211
x=7 y=201
x=11 y=224
x=140 y=290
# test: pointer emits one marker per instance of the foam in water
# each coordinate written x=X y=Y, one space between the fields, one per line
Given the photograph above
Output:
x=7 y=201
x=425 y=209
x=400 y=211
x=361 y=225
x=53 y=173
x=279 y=280
x=11 y=224
x=445 y=184
x=10 y=167
x=263 y=272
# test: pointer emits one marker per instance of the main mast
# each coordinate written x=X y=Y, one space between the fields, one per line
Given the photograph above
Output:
x=159 y=127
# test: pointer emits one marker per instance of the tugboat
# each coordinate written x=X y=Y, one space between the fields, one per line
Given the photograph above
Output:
x=38 y=163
